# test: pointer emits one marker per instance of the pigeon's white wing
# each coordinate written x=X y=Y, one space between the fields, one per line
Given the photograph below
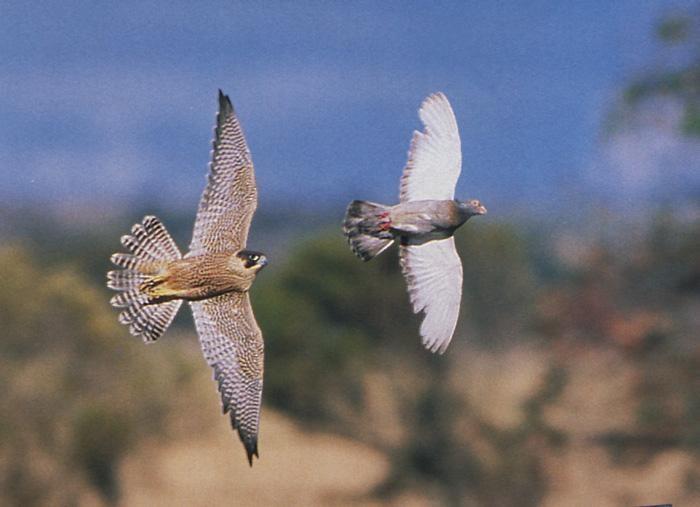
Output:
x=435 y=155
x=433 y=272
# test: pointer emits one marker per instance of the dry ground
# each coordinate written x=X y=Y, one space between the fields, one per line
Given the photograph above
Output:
x=205 y=464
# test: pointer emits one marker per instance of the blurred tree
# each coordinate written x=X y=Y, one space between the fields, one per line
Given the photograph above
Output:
x=76 y=394
x=331 y=321
x=499 y=284
x=680 y=34
x=329 y=317
x=326 y=316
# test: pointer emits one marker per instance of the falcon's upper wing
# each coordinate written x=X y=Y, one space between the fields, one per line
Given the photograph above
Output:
x=233 y=345
x=433 y=272
x=230 y=197
x=435 y=155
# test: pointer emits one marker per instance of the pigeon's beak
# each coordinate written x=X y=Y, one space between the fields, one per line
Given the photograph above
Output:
x=481 y=210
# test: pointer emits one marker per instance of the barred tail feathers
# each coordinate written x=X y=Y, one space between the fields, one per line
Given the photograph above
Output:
x=363 y=229
x=151 y=247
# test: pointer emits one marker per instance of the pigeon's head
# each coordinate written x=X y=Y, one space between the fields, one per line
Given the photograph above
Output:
x=473 y=207
x=252 y=260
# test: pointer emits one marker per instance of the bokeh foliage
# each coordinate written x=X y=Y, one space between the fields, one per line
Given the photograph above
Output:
x=331 y=318
x=679 y=33
x=76 y=394
x=343 y=354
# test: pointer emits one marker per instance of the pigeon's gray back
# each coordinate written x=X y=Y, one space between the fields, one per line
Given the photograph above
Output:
x=422 y=217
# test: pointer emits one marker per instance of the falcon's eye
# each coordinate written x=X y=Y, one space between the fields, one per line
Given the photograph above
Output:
x=254 y=257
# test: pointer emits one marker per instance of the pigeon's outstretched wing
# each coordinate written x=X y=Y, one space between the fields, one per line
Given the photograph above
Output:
x=435 y=155
x=233 y=346
x=230 y=197
x=433 y=272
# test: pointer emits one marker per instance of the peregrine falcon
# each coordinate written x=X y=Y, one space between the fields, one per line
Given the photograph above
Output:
x=214 y=277
x=423 y=223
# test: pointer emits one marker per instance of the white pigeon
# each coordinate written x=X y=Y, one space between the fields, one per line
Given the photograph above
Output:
x=423 y=223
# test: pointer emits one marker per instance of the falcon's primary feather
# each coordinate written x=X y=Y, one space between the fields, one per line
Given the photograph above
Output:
x=214 y=277
x=423 y=223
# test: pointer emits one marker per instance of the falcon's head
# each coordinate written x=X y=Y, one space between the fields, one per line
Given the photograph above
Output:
x=252 y=260
x=473 y=207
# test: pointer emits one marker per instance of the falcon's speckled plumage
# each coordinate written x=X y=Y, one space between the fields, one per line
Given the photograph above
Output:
x=423 y=223
x=214 y=277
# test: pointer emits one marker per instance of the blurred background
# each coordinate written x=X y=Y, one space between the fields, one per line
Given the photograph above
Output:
x=573 y=377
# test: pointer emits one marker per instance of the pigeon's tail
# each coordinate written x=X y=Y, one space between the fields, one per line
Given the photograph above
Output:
x=366 y=226
x=147 y=313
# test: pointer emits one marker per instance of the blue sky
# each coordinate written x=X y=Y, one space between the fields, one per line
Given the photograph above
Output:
x=107 y=104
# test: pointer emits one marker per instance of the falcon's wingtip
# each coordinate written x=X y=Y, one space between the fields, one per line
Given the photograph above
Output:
x=251 y=449
x=224 y=103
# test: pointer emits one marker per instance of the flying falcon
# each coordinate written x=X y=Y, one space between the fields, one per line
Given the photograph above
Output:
x=214 y=277
x=423 y=223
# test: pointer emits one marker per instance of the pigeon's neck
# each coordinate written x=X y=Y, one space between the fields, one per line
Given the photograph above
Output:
x=464 y=213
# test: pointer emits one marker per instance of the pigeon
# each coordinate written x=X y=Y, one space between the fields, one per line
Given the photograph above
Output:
x=423 y=223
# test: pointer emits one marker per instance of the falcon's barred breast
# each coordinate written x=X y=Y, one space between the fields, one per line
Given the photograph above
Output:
x=214 y=277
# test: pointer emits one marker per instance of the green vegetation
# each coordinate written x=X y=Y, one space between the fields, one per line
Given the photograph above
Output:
x=76 y=394
x=340 y=334
x=678 y=33
x=332 y=321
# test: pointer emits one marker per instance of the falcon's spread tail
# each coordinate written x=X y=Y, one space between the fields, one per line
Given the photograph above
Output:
x=367 y=228
x=151 y=249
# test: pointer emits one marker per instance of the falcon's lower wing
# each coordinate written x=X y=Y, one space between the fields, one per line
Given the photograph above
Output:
x=233 y=345
x=433 y=272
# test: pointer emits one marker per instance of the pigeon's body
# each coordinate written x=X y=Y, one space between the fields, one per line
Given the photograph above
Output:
x=417 y=222
x=423 y=223
x=214 y=277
